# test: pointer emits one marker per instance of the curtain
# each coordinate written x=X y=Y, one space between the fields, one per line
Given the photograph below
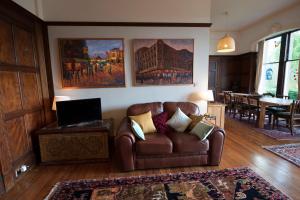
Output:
x=259 y=66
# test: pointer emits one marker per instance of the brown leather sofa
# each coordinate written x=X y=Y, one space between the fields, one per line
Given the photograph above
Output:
x=166 y=150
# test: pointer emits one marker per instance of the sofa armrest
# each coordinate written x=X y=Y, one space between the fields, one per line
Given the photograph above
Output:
x=216 y=144
x=124 y=142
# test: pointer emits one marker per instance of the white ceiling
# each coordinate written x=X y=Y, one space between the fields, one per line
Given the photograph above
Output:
x=243 y=13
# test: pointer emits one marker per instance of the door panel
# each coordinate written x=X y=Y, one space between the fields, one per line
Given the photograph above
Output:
x=33 y=121
x=17 y=137
x=213 y=74
x=31 y=96
x=5 y=156
x=6 y=43
x=24 y=47
x=10 y=97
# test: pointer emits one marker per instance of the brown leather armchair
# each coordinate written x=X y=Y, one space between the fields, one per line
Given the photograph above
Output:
x=166 y=150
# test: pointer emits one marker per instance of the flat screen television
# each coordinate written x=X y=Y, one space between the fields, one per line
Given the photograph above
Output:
x=78 y=111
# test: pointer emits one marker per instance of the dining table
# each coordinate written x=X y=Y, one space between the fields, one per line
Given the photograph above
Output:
x=264 y=102
x=270 y=101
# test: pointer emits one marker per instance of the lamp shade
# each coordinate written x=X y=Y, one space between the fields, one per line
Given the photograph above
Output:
x=209 y=95
x=206 y=96
x=59 y=98
x=226 y=44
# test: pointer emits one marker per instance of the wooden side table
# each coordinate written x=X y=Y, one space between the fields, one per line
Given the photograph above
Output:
x=82 y=143
x=217 y=110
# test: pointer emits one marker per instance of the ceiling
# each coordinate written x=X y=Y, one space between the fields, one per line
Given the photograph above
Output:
x=242 y=13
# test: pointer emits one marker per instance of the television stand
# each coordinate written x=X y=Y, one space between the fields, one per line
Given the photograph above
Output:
x=79 y=143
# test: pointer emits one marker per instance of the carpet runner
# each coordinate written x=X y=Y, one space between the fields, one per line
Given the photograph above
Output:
x=290 y=152
x=240 y=183
x=279 y=135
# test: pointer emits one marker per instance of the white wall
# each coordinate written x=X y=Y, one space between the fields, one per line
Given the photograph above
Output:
x=287 y=19
x=215 y=36
x=116 y=100
x=128 y=10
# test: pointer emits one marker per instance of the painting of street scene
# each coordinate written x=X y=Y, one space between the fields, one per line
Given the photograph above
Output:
x=163 y=61
x=92 y=63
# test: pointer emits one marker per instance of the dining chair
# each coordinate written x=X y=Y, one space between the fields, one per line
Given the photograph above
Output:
x=240 y=107
x=254 y=109
x=268 y=94
x=229 y=102
x=283 y=96
x=275 y=109
x=291 y=117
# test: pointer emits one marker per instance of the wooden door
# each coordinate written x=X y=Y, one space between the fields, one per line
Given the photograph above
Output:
x=213 y=76
x=24 y=89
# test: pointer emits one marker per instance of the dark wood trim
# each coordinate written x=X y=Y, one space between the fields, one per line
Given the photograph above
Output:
x=237 y=55
x=10 y=6
x=281 y=67
x=138 y=24
x=16 y=114
x=48 y=61
x=19 y=68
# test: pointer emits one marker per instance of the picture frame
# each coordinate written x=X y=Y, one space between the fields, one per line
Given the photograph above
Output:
x=92 y=62
x=163 y=61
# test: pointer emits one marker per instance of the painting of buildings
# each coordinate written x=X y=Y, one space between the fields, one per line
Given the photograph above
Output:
x=92 y=63
x=163 y=61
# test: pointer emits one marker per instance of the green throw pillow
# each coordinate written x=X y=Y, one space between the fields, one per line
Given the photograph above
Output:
x=202 y=130
x=195 y=120
x=137 y=130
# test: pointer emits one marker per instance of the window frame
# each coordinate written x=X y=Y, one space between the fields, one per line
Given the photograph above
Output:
x=283 y=58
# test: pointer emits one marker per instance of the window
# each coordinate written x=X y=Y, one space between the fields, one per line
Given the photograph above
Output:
x=292 y=66
x=280 y=67
x=270 y=65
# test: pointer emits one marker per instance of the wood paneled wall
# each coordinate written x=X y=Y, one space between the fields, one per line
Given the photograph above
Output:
x=235 y=73
x=26 y=87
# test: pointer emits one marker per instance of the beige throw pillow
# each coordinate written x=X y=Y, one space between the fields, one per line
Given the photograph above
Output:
x=145 y=121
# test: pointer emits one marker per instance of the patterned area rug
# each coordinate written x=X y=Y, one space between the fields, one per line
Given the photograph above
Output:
x=241 y=183
x=279 y=135
x=290 y=152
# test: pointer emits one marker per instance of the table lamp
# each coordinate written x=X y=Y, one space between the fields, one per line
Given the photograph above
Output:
x=207 y=96
x=59 y=98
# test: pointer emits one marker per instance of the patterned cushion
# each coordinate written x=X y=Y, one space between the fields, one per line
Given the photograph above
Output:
x=179 y=121
x=195 y=119
x=202 y=130
x=138 y=132
x=160 y=121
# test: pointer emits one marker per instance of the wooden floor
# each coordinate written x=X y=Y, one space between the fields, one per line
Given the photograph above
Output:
x=242 y=148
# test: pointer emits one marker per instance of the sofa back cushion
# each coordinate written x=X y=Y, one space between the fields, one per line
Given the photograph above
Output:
x=187 y=107
x=137 y=109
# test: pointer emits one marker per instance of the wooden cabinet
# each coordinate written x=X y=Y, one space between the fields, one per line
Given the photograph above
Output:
x=75 y=144
x=218 y=110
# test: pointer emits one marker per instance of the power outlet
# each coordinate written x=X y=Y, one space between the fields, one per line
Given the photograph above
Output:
x=22 y=169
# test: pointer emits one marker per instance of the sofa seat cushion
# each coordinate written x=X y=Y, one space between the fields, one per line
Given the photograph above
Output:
x=154 y=144
x=187 y=143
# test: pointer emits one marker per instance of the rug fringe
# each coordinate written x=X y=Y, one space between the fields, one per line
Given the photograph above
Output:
x=51 y=193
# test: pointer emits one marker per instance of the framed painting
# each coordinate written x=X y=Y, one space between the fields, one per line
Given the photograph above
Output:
x=163 y=61
x=87 y=63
